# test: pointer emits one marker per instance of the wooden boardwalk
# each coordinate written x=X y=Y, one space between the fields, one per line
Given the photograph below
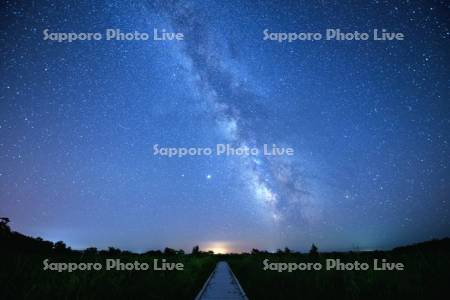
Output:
x=222 y=285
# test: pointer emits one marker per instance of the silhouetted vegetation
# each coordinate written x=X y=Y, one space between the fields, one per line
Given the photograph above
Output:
x=22 y=276
x=427 y=269
x=195 y=250
x=4 y=225
x=314 y=251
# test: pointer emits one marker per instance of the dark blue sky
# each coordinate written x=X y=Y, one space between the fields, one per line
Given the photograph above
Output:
x=369 y=122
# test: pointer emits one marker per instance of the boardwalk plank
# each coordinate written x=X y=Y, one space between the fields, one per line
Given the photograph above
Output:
x=222 y=285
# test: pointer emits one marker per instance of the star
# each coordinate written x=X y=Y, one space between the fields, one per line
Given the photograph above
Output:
x=368 y=125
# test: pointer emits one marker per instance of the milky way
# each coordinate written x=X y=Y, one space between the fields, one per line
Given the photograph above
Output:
x=233 y=105
x=369 y=123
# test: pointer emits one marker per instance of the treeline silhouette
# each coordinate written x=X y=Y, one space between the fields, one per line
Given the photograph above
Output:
x=22 y=275
x=12 y=241
x=15 y=242
x=426 y=273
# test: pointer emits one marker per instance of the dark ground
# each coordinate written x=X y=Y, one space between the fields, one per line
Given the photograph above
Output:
x=426 y=274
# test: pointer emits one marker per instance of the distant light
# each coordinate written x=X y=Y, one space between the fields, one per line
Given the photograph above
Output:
x=219 y=247
x=218 y=250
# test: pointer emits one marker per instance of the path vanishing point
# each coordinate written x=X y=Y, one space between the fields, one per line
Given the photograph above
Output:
x=222 y=285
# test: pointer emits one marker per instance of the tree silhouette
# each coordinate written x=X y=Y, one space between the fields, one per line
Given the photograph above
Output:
x=195 y=250
x=91 y=250
x=255 y=251
x=314 y=250
x=169 y=251
x=60 y=247
x=4 y=225
x=114 y=251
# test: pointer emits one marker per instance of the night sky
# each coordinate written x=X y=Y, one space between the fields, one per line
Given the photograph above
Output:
x=369 y=122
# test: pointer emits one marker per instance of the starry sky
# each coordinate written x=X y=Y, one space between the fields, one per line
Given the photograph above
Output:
x=369 y=122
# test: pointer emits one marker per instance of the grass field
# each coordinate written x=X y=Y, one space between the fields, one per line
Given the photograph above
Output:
x=426 y=274
x=22 y=277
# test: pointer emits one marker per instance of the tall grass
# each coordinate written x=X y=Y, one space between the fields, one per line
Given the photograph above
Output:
x=426 y=276
x=22 y=277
